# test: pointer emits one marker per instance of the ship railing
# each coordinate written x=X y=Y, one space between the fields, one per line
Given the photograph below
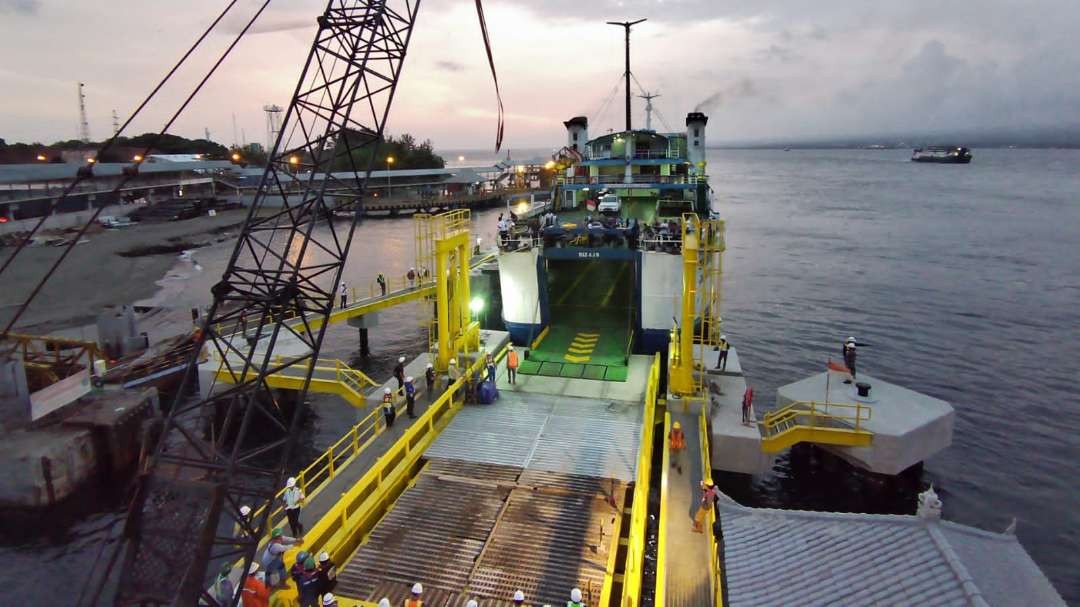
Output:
x=633 y=569
x=814 y=414
x=637 y=178
x=715 y=564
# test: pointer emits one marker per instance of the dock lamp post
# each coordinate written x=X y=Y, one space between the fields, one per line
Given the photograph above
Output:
x=476 y=306
x=389 y=161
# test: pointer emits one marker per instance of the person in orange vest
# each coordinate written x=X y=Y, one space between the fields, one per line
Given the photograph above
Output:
x=511 y=364
x=415 y=600
x=255 y=593
x=709 y=495
x=677 y=441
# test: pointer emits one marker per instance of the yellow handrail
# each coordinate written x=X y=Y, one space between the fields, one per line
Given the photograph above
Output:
x=661 y=534
x=814 y=414
x=716 y=572
x=635 y=547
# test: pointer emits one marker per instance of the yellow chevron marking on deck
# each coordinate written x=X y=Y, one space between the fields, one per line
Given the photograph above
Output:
x=586 y=340
x=592 y=335
x=574 y=350
x=577 y=359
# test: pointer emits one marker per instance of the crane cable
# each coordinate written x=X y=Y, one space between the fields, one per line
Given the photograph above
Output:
x=80 y=176
x=494 y=76
x=75 y=239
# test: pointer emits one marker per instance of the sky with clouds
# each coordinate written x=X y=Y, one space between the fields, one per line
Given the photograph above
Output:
x=762 y=70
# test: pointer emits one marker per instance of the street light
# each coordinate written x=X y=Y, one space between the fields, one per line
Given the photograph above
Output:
x=42 y=157
x=137 y=158
x=389 y=161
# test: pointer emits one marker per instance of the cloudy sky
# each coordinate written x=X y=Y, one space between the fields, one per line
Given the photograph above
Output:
x=762 y=70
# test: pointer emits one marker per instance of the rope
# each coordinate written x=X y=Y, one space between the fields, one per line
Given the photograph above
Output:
x=494 y=76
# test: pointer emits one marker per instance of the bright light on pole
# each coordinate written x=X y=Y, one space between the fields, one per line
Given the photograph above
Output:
x=476 y=306
x=389 y=190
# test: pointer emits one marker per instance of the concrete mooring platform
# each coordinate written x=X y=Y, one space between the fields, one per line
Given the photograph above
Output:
x=908 y=427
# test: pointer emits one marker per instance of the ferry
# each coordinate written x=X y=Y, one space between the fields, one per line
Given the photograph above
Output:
x=942 y=154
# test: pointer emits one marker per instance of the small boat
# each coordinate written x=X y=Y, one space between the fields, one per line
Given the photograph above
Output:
x=942 y=154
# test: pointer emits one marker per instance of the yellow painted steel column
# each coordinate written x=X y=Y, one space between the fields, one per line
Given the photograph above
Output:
x=466 y=297
x=682 y=376
x=442 y=306
x=452 y=303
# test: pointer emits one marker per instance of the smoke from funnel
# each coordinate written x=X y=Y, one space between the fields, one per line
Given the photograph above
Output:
x=743 y=88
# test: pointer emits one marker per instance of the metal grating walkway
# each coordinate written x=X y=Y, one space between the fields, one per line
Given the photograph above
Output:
x=477 y=530
x=581 y=436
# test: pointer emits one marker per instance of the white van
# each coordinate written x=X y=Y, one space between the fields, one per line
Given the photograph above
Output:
x=609 y=203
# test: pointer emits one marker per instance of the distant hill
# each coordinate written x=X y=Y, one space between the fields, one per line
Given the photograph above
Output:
x=1043 y=137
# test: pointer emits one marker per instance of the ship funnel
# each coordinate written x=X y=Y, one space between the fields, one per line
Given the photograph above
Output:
x=577 y=133
x=695 y=141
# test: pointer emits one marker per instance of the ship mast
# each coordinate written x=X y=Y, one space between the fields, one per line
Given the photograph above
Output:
x=626 y=25
x=648 y=97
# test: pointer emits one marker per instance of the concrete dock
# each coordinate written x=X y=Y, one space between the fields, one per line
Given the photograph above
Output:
x=734 y=446
x=908 y=427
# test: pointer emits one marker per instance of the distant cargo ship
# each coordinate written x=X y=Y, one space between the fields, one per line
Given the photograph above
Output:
x=942 y=154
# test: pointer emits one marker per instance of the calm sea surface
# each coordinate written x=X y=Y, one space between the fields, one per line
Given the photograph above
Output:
x=963 y=280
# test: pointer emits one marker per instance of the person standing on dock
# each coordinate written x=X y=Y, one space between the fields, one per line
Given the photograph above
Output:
x=410 y=397
x=294 y=499
x=411 y=275
x=223 y=586
x=723 y=347
x=489 y=365
x=308 y=586
x=511 y=365
x=256 y=593
x=429 y=379
x=399 y=372
x=327 y=575
x=382 y=283
x=388 y=407
x=344 y=292
x=849 y=357
x=273 y=559
x=747 y=403
x=709 y=495
x=415 y=600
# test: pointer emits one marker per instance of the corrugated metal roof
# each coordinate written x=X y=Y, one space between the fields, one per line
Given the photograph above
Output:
x=21 y=173
x=779 y=557
x=559 y=434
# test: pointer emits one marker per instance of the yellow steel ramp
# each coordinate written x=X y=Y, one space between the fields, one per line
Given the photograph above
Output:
x=839 y=424
x=329 y=377
x=684 y=571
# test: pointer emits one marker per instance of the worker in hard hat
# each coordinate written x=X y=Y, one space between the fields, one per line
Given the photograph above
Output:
x=384 y=602
x=677 y=443
x=308 y=585
x=472 y=603
x=519 y=598
x=709 y=495
x=848 y=351
x=273 y=559
x=429 y=379
x=575 y=598
x=327 y=570
x=294 y=499
x=512 y=363
x=255 y=593
x=410 y=397
x=452 y=372
x=223 y=586
x=399 y=372
x=723 y=347
x=329 y=600
x=388 y=407
x=415 y=596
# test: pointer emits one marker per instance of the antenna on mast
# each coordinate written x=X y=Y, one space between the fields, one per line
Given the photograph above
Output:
x=648 y=97
x=84 y=127
x=626 y=25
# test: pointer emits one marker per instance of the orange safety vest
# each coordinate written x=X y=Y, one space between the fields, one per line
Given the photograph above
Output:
x=511 y=360
x=678 y=439
x=414 y=603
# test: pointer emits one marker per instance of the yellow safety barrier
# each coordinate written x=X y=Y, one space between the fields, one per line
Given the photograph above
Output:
x=346 y=382
x=812 y=422
x=539 y=338
x=635 y=547
x=661 y=534
x=715 y=566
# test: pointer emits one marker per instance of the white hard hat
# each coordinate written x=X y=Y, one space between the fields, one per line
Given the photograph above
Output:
x=328 y=599
x=401 y=359
x=723 y=337
x=384 y=602
x=418 y=588
x=472 y=603
x=253 y=568
x=386 y=390
x=245 y=510
x=291 y=482
x=575 y=595
x=519 y=596
x=453 y=361
x=409 y=379
x=429 y=365
x=851 y=340
x=323 y=557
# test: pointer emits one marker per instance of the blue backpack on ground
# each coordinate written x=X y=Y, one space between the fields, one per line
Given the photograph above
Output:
x=487 y=393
